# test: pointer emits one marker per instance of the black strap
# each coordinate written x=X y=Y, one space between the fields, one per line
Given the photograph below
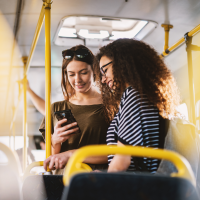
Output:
x=163 y=128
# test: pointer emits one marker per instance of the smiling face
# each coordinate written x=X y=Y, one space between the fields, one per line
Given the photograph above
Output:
x=108 y=78
x=80 y=76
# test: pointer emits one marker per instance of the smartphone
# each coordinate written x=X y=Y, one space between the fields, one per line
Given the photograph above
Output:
x=67 y=114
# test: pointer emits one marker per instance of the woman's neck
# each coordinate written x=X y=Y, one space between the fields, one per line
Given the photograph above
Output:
x=87 y=98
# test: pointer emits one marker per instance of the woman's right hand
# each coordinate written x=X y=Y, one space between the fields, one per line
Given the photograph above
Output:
x=27 y=83
x=61 y=134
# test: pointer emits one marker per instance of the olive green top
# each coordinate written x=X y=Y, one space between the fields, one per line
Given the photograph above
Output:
x=92 y=124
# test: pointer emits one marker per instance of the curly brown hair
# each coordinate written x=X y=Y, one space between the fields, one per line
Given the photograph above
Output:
x=67 y=89
x=139 y=65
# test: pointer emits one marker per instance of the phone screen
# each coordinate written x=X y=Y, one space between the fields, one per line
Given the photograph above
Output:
x=66 y=114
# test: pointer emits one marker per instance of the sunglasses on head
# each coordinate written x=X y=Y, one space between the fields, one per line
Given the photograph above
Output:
x=79 y=53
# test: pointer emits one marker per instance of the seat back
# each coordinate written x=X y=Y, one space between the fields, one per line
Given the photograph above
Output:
x=110 y=186
x=181 y=185
x=182 y=137
x=10 y=183
x=43 y=187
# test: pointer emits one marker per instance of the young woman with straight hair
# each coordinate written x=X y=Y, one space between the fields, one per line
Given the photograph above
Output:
x=85 y=102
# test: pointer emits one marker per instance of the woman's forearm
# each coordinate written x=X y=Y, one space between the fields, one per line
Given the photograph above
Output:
x=89 y=160
x=59 y=160
x=119 y=163
x=55 y=149
x=96 y=160
x=38 y=102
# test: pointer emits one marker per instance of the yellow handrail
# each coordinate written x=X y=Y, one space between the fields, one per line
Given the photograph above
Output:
x=33 y=45
x=35 y=39
x=24 y=117
x=13 y=160
x=167 y=28
x=74 y=163
x=16 y=108
x=45 y=11
x=48 y=79
x=179 y=42
x=29 y=167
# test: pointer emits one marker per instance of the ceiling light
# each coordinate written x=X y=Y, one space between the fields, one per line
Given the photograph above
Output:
x=96 y=31
x=85 y=33
x=84 y=18
x=129 y=34
x=67 y=32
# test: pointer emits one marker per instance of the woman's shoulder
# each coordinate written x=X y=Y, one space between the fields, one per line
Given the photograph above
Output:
x=59 y=105
x=130 y=92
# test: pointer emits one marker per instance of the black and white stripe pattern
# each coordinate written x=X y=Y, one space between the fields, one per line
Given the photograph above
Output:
x=136 y=123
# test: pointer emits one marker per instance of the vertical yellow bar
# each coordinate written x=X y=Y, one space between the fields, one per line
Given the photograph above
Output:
x=13 y=129
x=24 y=118
x=48 y=79
x=10 y=138
x=166 y=46
x=191 y=87
x=167 y=28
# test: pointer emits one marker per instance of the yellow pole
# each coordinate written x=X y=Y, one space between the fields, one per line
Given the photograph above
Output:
x=10 y=138
x=24 y=117
x=48 y=79
x=188 y=41
x=14 y=136
x=16 y=107
x=32 y=49
x=167 y=28
x=35 y=39
x=194 y=31
x=13 y=131
x=181 y=41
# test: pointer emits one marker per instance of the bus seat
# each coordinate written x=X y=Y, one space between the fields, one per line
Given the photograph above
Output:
x=10 y=182
x=83 y=185
x=128 y=186
x=182 y=137
x=43 y=187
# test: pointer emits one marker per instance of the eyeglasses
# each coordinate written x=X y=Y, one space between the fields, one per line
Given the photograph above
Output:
x=80 y=53
x=103 y=73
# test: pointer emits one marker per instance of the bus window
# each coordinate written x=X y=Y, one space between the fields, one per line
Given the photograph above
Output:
x=183 y=110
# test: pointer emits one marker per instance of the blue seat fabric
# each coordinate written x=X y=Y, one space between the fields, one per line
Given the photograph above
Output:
x=128 y=186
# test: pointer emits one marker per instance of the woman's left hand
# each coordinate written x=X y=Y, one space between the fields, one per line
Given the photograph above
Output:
x=58 y=161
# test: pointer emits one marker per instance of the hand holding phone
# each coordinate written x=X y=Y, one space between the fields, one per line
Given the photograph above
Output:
x=66 y=114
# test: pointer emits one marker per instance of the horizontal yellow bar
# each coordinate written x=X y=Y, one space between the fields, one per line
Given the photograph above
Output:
x=177 y=44
x=182 y=40
x=31 y=166
x=194 y=31
x=74 y=163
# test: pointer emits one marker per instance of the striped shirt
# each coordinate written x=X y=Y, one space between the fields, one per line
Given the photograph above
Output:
x=136 y=123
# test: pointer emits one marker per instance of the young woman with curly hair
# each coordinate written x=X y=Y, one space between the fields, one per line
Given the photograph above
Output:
x=138 y=92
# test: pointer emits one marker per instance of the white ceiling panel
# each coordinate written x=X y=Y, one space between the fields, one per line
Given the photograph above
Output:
x=184 y=15
x=8 y=6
